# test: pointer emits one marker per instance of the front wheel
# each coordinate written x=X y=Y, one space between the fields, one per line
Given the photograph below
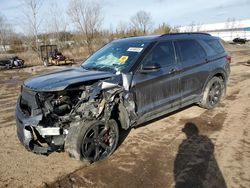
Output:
x=95 y=140
x=213 y=92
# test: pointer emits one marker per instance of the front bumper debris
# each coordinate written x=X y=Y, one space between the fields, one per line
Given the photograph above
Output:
x=28 y=130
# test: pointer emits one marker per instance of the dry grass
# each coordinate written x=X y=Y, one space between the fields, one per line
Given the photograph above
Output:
x=77 y=53
x=32 y=59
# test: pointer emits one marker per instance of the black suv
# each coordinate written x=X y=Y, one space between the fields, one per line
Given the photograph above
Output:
x=125 y=83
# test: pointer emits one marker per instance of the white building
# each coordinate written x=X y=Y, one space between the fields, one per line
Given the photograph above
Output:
x=225 y=30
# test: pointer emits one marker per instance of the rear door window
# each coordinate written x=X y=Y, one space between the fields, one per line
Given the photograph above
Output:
x=190 y=52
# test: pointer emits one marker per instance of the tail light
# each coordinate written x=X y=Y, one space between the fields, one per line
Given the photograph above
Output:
x=228 y=58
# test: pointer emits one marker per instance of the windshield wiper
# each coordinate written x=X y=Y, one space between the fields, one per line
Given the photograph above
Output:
x=84 y=67
x=109 y=69
x=89 y=68
x=106 y=69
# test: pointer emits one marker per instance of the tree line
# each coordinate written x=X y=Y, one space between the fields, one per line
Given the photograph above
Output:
x=85 y=15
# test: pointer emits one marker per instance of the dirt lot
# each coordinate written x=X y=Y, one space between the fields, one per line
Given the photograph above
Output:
x=151 y=155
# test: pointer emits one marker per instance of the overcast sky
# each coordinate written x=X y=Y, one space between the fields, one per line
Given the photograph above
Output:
x=173 y=12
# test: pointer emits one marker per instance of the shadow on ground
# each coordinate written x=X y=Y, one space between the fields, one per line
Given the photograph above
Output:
x=195 y=165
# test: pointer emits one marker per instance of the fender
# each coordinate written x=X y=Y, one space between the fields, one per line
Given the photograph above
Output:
x=216 y=72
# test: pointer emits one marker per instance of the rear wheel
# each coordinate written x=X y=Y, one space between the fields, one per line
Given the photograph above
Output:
x=213 y=92
x=96 y=140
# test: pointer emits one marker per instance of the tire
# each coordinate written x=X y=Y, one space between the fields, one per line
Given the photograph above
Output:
x=92 y=141
x=213 y=93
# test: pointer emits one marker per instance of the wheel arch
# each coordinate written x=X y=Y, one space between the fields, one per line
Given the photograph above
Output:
x=124 y=118
x=218 y=73
x=120 y=115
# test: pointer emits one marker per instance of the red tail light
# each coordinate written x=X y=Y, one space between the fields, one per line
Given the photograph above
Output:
x=229 y=58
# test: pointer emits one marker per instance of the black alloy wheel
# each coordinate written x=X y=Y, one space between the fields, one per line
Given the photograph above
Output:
x=215 y=93
x=99 y=140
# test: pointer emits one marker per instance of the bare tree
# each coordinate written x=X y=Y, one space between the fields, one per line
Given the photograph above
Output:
x=141 y=22
x=5 y=33
x=87 y=17
x=231 y=23
x=163 y=28
x=57 y=23
x=33 y=21
x=122 y=29
x=191 y=27
x=198 y=27
x=175 y=29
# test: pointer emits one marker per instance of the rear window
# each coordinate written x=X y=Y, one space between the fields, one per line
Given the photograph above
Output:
x=214 y=45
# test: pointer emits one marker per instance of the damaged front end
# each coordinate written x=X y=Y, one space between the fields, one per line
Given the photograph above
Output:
x=45 y=119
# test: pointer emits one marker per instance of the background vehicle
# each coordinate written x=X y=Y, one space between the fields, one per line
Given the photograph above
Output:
x=240 y=40
x=13 y=62
x=51 y=56
x=126 y=83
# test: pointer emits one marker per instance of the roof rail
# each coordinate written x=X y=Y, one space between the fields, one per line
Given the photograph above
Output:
x=187 y=33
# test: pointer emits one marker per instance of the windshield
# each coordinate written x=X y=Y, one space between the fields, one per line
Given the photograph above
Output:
x=115 y=57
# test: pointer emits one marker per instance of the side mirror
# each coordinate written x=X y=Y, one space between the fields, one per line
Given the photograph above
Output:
x=150 y=68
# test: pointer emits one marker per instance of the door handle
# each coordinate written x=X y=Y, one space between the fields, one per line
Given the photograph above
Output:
x=173 y=70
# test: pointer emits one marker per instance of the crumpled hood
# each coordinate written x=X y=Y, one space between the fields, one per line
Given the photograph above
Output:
x=57 y=81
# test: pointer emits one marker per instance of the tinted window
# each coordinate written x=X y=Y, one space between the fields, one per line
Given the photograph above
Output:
x=162 y=54
x=215 y=45
x=190 y=50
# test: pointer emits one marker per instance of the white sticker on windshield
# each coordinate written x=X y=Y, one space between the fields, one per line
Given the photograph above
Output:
x=134 y=49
